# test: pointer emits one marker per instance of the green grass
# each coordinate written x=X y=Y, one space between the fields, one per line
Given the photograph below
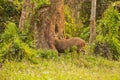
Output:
x=63 y=68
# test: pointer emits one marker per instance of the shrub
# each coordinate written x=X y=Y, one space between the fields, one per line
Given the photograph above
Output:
x=15 y=47
x=107 y=41
x=9 y=11
x=12 y=46
x=71 y=28
x=48 y=54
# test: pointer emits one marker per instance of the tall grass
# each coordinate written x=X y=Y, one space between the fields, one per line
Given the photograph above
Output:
x=77 y=68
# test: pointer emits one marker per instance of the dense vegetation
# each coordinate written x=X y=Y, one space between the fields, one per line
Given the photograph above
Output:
x=85 y=68
x=20 y=60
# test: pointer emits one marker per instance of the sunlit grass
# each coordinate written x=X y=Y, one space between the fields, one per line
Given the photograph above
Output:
x=63 y=68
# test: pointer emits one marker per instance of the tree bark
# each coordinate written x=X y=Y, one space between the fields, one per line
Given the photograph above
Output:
x=57 y=16
x=46 y=22
x=51 y=22
x=93 y=22
x=27 y=10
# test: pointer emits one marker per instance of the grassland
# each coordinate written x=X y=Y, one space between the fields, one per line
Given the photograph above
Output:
x=63 y=68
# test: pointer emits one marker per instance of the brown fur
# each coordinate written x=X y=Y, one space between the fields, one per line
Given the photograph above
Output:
x=62 y=45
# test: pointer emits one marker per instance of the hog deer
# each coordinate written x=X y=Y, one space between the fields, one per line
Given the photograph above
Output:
x=62 y=45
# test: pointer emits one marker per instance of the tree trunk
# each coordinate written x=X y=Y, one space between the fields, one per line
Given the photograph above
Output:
x=46 y=22
x=27 y=9
x=50 y=23
x=57 y=16
x=93 y=22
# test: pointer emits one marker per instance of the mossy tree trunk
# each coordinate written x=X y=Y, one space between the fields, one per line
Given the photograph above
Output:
x=51 y=22
x=27 y=10
x=47 y=21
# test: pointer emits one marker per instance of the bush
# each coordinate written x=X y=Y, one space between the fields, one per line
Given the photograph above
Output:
x=16 y=45
x=12 y=46
x=107 y=41
x=71 y=28
x=9 y=11
x=48 y=54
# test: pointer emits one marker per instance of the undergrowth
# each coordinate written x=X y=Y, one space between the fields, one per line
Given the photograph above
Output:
x=84 y=67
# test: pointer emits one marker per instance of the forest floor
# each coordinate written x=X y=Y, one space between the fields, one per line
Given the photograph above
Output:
x=63 y=68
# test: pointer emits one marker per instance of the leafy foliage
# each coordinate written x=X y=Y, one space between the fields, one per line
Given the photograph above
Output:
x=9 y=11
x=12 y=47
x=15 y=47
x=48 y=54
x=108 y=29
x=71 y=29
